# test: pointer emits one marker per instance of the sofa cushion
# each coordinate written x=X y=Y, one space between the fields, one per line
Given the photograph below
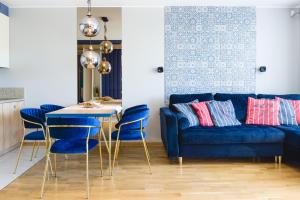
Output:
x=185 y=98
x=292 y=135
x=239 y=101
x=284 y=96
x=287 y=114
x=248 y=134
x=263 y=112
x=222 y=113
x=187 y=110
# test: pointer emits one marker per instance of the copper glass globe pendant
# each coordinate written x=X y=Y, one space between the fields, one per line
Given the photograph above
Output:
x=106 y=47
x=104 y=67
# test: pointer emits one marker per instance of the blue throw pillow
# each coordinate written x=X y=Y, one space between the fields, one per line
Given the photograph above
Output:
x=287 y=114
x=222 y=113
x=187 y=110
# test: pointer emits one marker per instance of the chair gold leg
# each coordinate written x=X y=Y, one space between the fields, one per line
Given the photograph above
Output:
x=115 y=153
x=100 y=152
x=45 y=171
x=33 y=148
x=119 y=144
x=180 y=160
x=147 y=155
x=66 y=157
x=54 y=164
x=276 y=159
x=19 y=154
x=279 y=160
x=87 y=176
x=37 y=149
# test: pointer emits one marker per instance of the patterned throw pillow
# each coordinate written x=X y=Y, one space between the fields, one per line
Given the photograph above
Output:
x=222 y=113
x=296 y=105
x=287 y=114
x=263 y=112
x=187 y=110
x=203 y=113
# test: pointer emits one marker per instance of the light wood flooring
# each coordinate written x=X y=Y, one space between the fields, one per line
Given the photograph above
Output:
x=197 y=179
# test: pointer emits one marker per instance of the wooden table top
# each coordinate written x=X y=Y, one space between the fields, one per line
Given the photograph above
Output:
x=98 y=110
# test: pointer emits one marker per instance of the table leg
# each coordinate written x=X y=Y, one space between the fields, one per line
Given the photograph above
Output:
x=109 y=141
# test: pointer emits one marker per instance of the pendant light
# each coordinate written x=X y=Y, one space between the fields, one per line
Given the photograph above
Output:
x=90 y=25
x=89 y=59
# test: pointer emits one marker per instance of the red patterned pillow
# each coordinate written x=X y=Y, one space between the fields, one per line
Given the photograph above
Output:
x=203 y=114
x=296 y=105
x=263 y=112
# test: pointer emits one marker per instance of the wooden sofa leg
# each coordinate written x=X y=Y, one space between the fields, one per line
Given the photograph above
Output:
x=279 y=160
x=180 y=160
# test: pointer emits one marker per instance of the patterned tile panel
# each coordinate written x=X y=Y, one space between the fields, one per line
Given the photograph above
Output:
x=210 y=49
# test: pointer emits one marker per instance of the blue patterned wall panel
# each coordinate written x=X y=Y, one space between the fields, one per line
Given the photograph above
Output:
x=210 y=49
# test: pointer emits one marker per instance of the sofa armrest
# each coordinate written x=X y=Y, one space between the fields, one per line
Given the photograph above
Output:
x=183 y=122
x=169 y=131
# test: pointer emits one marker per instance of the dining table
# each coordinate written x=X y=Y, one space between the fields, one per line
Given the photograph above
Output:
x=106 y=111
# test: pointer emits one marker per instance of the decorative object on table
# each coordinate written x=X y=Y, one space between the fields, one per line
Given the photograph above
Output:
x=50 y=107
x=72 y=136
x=130 y=128
x=33 y=118
x=90 y=25
x=87 y=105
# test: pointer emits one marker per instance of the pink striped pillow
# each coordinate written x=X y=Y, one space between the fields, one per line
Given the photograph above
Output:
x=263 y=112
x=203 y=114
x=296 y=105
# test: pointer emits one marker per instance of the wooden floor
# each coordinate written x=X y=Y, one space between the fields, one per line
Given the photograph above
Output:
x=196 y=179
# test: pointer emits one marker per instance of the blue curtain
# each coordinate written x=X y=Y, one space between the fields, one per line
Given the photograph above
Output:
x=112 y=82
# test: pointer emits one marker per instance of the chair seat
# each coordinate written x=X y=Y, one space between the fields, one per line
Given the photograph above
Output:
x=128 y=135
x=35 y=135
x=72 y=146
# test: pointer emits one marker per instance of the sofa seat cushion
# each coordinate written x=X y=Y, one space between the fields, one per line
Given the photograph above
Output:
x=292 y=135
x=249 y=134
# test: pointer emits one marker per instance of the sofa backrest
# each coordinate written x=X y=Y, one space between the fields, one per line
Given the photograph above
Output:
x=284 y=96
x=185 y=98
x=239 y=101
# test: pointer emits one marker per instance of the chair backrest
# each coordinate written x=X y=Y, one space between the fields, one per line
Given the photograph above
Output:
x=134 y=119
x=72 y=128
x=34 y=115
x=134 y=108
x=50 y=107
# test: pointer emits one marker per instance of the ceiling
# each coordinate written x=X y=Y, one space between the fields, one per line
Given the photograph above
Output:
x=107 y=3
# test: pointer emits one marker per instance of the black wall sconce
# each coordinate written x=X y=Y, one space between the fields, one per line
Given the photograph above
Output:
x=262 y=68
x=160 y=69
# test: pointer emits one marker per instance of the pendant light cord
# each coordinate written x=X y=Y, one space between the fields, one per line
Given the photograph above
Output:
x=89 y=7
x=105 y=31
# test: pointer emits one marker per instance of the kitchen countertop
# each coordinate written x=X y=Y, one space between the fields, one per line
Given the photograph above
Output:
x=8 y=100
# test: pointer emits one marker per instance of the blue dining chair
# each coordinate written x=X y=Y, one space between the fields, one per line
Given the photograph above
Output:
x=50 y=107
x=131 y=127
x=132 y=109
x=72 y=136
x=32 y=118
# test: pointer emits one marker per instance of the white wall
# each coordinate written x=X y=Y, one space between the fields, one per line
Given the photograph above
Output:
x=43 y=55
x=114 y=26
x=278 y=48
x=143 y=50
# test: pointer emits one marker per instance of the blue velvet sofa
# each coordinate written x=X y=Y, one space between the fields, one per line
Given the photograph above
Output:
x=180 y=140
